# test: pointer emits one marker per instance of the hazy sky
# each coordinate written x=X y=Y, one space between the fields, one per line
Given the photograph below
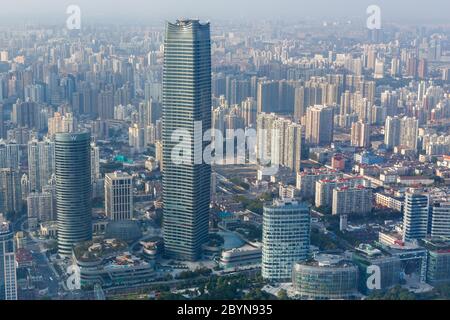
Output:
x=155 y=10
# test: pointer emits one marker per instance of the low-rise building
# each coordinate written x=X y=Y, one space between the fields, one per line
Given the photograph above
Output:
x=438 y=265
x=388 y=201
x=326 y=277
x=241 y=257
x=109 y=264
x=367 y=256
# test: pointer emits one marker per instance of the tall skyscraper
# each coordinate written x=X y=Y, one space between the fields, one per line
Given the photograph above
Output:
x=319 y=125
x=119 y=196
x=186 y=103
x=286 y=238
x=73 y=189
x=415 y=216
x=8 y=277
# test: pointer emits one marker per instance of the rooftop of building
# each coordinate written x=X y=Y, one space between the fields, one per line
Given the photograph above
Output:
x=91 y=251
x=4 y=227
x=369 y=251
x=245 y=248
x=439 y=245
x=125 y=260
x=286 y=204
x=342 y=180
x=118 y=174
x=346 y=188
x=325 y=260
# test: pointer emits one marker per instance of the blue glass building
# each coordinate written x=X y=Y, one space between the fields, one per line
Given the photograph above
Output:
x=186 y=105
x=73 y=189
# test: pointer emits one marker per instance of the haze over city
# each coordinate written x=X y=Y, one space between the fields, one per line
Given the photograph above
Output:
x=148 y=11
x=229 y=151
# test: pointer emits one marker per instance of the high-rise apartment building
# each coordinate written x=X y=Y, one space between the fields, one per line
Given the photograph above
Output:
x=360 y=135
x=348 y=201
x=319 y=125
x=306 y=180
x=40 y=207
x=61 y=123
x=392 y=132
x=10 y=191
x=2 y=121
x=409 y=133
x=401 y=132
x=10 y=155
x=324 y=189
x=186 y=104
x=41 y=163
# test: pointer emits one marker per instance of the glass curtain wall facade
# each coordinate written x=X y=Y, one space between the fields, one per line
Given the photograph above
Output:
x=186 y=117
x=73 y=190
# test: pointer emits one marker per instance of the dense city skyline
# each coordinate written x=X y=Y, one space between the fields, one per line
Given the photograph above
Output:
x=232 y=151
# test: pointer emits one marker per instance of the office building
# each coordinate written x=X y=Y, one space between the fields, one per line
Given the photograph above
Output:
x=326 y=277
x=73 y=189
x=438 y=260
x=390 y=265
x=119 y=196
x=286 y=238
x=440 y=224
x=8 y=276
x=415 y=216
x=186 y=103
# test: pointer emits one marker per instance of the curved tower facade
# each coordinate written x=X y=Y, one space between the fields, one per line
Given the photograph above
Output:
x=73 y=189
x=186 y=116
